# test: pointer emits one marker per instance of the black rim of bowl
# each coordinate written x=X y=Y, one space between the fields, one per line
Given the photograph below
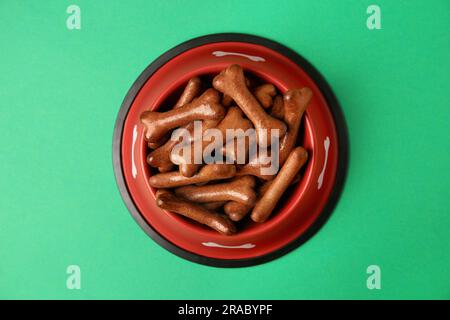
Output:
x=334 y=108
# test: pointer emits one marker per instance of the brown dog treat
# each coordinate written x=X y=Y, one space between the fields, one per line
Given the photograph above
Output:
x=265 y=93
x=157 y=124
x=191 y=91
x=214 y=205
x=236 y=211
x=254 y=168
x=168 y=201
x=295 y=102
x=189 y=169
x=227 y=100
x=160 y=157
x=277 y=110
x=207 y=173
x=239 y=190
x=231 y=81
x=187 y=166
x=267 y=202
x=234 y=120
x=165 y=169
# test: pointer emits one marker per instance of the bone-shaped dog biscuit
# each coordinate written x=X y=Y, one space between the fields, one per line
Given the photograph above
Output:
x=207 y=173
x=227 y=100
x=157 y=124
x=295 y=102
x=188 y=166
x=233 y=120
x=265 y=205
x=191 y=90
x=235 y=190
x=168 y=201
x=160 y=157
x=231 y=82
x=236 y=211
x=277 y=110
x=265 y=93
x=266 y=185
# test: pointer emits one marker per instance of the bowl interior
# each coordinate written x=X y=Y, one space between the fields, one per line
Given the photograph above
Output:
x=245 y=225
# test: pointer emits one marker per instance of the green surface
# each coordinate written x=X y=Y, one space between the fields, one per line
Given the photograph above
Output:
x=60 y=92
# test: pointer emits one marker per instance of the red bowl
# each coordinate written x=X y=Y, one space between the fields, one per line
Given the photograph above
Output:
x=304 y=207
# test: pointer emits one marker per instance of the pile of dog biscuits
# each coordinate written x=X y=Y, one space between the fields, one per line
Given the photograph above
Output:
x=220 y=194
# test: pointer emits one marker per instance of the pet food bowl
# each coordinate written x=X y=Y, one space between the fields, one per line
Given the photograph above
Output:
x=304 y=207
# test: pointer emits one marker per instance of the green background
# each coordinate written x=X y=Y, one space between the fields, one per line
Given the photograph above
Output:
x=61 y=90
